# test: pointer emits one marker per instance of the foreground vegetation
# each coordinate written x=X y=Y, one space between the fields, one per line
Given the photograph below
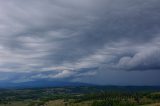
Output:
x=81 y=96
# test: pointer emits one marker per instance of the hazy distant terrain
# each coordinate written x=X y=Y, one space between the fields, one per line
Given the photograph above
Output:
x=82 y=96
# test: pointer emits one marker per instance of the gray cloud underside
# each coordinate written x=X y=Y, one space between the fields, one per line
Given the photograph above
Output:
x=78 y=38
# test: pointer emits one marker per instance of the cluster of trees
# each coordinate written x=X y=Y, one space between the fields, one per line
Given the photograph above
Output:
x=120 y=98
x=101 y=97
x=113 y=103
x=154 y=96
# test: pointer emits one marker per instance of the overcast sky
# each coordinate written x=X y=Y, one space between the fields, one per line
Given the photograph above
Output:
x=114 y=42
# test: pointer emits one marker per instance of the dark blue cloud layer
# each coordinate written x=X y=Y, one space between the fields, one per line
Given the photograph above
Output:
x=72 y=40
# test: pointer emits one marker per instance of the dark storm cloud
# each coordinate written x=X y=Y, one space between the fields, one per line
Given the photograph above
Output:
x=65 y=38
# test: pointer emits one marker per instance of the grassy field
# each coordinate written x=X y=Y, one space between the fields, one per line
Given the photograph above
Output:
x=81 y=96
x=62 y=103
x=154 y=104
x=21 y=103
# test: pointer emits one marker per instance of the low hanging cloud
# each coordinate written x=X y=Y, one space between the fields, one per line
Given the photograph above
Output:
x=145 y=60
x=71 y=39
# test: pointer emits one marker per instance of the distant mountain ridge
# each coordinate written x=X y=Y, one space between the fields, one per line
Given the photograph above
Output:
x=51 y=83
x=41 y=83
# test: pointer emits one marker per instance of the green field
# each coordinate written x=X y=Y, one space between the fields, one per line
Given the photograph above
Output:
x=81 y=96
